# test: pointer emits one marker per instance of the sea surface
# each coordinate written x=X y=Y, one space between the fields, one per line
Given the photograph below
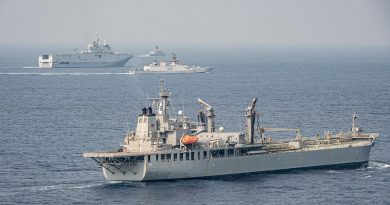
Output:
x=49 y=117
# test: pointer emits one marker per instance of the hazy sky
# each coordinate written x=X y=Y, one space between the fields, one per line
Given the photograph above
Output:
x=240 y=22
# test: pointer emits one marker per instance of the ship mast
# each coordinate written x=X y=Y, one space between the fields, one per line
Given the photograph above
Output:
x=250 y=121
x=97 y=38
x=354 y=117
x=164 y=95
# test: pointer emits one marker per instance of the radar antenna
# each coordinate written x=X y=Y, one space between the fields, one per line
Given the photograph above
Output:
x=97 y=38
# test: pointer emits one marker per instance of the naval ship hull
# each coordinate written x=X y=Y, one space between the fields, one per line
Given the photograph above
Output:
x=151 y=170
x=84 y=61
x=197 y=70
x=168 y=148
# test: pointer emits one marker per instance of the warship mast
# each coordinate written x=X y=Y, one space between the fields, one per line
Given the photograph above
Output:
x=250 y=121
x=164 y=95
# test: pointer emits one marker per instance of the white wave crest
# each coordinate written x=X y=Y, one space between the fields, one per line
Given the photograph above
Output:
x=378 y=165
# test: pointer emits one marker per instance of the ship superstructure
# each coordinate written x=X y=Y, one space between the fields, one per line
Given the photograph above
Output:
x=96 y=55
x=166 y=147
x=154 y=53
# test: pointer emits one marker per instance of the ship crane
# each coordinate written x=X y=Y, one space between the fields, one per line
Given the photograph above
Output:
x=209 y=112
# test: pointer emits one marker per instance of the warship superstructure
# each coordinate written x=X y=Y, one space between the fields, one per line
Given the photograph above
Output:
x=154 y=53
x=174 y=66
x=164 y=147
x=96 y=55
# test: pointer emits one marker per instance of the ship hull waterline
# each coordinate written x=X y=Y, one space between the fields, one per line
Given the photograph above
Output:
x=238 y=165
x=202 y=70
x=80 y=64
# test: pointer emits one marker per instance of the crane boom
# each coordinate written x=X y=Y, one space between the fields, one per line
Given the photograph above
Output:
x=279 y=129
x=208 y=109
x=202 y=102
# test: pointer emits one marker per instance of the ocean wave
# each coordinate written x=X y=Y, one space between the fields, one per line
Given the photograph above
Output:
x=49 y=187
x=334 y=171
x=30 y=67
x=67 y=186
x=87 y=186
x=378 y=165
x=125 y=184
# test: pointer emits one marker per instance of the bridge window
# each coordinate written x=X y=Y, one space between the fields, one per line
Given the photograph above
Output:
x=175 y=157
x=221 y=153
x=204 y=154
x=168 y=157
x=230 y=152
x=192 y=155
x=187 y=156
x=181 y=156
x=156 y=157
x=213 y=154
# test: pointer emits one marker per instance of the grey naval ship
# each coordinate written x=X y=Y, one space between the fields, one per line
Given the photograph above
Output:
x=154 y=53
x=96 y=55
x=174 y=66
x=165 y=147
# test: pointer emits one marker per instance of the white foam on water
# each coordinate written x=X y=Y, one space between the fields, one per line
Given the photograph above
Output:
x=378 y=165
x=130 y=183
x=334 y=171
x=65 y=186
x=86 y=186
x=30 y=67
x=49 y=187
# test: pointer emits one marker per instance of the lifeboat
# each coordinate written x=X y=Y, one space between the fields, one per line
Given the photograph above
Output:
x=189 y=139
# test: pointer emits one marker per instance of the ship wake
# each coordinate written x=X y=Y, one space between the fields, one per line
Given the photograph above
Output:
x=66 y=187
x=378 y=165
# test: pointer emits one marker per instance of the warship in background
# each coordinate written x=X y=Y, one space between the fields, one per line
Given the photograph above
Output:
x=164 y=147
x=154 y=53
x=174 y=66
x=96 y=55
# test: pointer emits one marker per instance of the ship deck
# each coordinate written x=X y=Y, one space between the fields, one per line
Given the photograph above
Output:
x=112 y=154
x=265 y=148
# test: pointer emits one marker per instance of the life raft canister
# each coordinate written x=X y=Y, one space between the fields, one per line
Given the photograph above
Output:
x=189 y=139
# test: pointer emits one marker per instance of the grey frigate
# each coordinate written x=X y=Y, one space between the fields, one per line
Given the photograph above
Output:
x=96 y=55
x=165 y=147
x=174 y=66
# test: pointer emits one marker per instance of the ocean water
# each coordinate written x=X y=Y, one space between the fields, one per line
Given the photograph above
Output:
x=49 y=117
